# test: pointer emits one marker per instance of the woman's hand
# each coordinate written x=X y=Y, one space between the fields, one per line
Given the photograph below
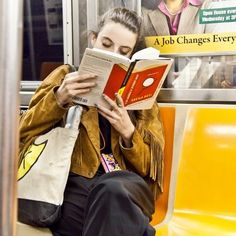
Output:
x=73 y=85
x=226 y=84
x=118 y=118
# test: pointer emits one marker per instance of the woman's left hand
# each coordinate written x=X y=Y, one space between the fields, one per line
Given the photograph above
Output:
x=118 y=118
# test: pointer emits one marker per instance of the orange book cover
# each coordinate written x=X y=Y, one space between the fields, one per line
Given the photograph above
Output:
x=138 y=86
x=142 y=85
x=115 y=80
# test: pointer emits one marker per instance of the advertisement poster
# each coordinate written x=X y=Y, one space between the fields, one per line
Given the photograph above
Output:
x=201 y=37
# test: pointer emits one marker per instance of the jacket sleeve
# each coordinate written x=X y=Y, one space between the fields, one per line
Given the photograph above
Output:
x=146 y=154
x=138 y=156
x=43 y=112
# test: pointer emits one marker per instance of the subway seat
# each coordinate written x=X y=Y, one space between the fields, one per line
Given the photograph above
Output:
x=205 y=200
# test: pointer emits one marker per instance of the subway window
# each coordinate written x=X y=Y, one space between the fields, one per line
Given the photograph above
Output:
x=42 y=37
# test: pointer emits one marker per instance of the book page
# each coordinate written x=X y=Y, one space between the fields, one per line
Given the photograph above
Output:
x=101 y=64
x=146 y=53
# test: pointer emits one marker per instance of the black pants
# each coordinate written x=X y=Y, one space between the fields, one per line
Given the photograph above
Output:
x=112 y=204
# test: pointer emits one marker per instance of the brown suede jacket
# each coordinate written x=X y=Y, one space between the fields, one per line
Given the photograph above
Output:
x=44 y=113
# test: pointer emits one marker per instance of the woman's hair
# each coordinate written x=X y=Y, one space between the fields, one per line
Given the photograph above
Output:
x=123 y=16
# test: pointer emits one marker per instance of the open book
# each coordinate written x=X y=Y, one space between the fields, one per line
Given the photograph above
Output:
x=138 y=80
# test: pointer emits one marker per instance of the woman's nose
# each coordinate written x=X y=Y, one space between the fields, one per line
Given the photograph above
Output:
x=116 y=50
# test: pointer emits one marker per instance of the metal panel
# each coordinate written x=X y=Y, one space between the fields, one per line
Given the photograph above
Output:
x=92 y=14
x=10 y=72
x=209 y=96
x=67 y=31
x=76 y=31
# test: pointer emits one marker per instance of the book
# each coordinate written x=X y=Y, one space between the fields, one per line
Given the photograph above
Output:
x=138 y=80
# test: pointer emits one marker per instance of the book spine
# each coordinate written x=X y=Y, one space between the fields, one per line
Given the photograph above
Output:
x=130 y=70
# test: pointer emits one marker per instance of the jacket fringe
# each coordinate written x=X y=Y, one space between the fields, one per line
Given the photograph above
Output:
x=156 y=171
x=155 y=139
x=155 y=178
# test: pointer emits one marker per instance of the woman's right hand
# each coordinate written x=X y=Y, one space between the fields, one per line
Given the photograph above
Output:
x=73 y=85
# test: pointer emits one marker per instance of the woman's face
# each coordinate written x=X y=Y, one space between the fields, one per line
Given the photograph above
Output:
x=116 y=38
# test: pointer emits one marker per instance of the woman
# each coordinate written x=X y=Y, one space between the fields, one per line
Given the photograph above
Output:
x=95 y=202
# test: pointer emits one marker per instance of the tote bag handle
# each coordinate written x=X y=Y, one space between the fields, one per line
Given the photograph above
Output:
x=73 y=117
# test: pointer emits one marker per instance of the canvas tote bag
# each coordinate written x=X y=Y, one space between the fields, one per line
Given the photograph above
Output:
x=43 y=173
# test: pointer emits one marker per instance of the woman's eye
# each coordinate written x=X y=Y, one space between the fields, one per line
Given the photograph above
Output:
x=106 y=45
x=124 y=53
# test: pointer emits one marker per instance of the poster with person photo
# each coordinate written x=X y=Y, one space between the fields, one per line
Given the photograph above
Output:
x=200 y=35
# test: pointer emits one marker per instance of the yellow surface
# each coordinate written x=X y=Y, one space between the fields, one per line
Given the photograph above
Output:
x=205 y=202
